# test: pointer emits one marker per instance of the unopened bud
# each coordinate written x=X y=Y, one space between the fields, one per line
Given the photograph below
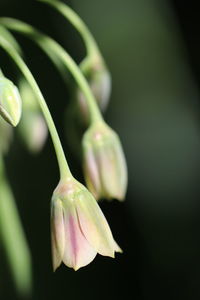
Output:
x=99 y=80
x=32 y=127
x=10 y=101
x=104 y=163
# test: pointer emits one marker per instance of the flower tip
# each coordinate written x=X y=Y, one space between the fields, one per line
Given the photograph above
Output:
x=120 y=198
x=117 y=248
x=76 y=268
x=55 y=266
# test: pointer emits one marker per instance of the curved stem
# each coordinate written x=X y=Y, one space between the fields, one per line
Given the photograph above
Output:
x=55 y=51
x=63 y=166
x=77 y=22
x=10 y=38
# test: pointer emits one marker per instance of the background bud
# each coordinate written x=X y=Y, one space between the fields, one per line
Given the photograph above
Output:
x=32 y=127
x=99 y=80
x=104 y=162
x=10 y=101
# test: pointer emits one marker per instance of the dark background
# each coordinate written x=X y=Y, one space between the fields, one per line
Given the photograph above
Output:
x=152 y=50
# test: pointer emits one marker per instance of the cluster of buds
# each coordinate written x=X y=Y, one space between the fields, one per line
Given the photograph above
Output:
x=78 y=227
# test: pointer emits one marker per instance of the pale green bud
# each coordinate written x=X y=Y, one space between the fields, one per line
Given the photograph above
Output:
x=104 y=163
x=99 y=80
x=32 y=127
x=78 y=227
x=10 y=102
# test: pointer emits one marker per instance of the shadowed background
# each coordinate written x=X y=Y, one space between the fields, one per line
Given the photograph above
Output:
x=152 y=51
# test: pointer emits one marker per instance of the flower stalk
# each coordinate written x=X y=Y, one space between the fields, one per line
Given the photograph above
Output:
x=89 y=41
x=54 y=50
x=62 y=162
x=93 y=66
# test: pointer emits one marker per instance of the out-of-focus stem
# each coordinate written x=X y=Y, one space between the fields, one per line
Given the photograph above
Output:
x=13 y=238
x=77 y=22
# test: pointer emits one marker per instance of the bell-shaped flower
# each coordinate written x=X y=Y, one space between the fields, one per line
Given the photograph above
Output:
x=104 y=162
x=10 y=101
x=79 y=228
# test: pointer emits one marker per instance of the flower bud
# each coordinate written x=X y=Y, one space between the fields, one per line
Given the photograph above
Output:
x=104 y=162
x=99 y=80
x=78 y=226
x=10 y=101
x=32 y=127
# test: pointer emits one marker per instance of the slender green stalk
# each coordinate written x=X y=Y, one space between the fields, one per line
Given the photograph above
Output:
x=53 y=50
x=81 y=27
x=10 y=38
x=13 y=238
x=63 y=166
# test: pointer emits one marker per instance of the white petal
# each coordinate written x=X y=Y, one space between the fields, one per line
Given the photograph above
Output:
x=94 y=224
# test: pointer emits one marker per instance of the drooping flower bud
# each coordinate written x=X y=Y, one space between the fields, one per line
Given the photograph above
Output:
x=32 y=127
x=79 y=228
x=10 y=101
x=99 y=80
x=104 y=162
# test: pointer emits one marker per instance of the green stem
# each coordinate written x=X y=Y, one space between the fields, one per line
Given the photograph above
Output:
x=53 y=50
x=13 y=238
x=63 y=166
x=9 y=37
x=77 y=22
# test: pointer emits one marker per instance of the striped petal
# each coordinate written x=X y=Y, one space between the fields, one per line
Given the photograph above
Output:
x=94 y=225
x=78 y=252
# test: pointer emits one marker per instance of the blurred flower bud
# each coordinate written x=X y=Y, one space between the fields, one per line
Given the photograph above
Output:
x=104 y=162
x=79 y=228
x=99 y=80
x=32 y=127
x=6 y=134
x=10 y=101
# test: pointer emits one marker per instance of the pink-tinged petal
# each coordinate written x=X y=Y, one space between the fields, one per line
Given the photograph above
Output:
x=112 y=169
x=107 y=171
x=78 y=252
x=94 y=225
x=121 y=170
x=57 y=233
x=92 y=173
